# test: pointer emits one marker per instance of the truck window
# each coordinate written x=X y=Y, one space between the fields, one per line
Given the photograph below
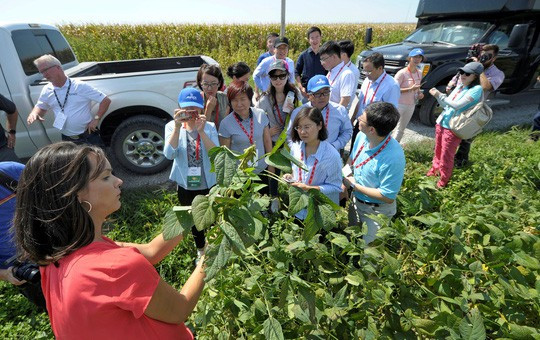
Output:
x=499 y=37
x=31 y=44
x=451 y=32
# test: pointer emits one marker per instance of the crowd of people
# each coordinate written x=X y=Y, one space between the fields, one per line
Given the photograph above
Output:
x=67 y=190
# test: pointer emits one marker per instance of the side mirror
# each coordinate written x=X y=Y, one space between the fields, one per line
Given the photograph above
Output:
x=367 y=38
x=518 y=36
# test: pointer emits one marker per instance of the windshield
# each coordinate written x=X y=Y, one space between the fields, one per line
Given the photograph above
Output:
x=452 y=32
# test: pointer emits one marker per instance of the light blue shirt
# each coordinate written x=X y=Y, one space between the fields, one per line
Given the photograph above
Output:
x=327 y=175
x=387 y=92
x=339 y=125
x=179 y=155
x=261 y=77
x=460 y=100
x=383 y=172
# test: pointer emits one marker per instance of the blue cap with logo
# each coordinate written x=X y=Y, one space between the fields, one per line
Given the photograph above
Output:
x=316 y=83
x=190 y=97
x=415 y=52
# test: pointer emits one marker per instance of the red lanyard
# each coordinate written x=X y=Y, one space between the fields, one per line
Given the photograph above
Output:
x=332 y=82
x=279 y=115
x=372 y=156
x=312 y=169
x=414 y=80
x=327 y=115
x=250 y=135
x=374 y=93
x=458 y=92
x=349 y=64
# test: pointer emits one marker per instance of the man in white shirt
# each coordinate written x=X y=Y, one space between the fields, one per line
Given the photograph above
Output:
x=347 y=50
x=70 y=100
x=340 y=77
x=260 y=75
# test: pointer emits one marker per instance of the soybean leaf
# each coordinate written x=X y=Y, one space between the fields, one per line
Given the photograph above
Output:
x=527 y=261
x=220 y=260
x=176 y=222
x=225 y=164
x=279 y=161
x=282 y=136
x=298 y=200
x=244 y=221
x=233 y=236
x=203 y=214
x=312 y=222
x=328 y=216
x=290 y=157
x=323 y=199
x=272 y=329
x=474 y=330
x=309 y=296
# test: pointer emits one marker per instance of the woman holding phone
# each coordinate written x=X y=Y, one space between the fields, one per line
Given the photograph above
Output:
x=188 y=138
x=210 y=81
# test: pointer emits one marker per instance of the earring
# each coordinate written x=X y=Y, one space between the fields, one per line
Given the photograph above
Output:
x=89 y=204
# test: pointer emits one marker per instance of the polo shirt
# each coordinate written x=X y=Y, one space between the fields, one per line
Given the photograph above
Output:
x=384 y=172
x=342 y=82
x=261 y=77
x=327 y=174
x=78 y=105
x=384 y=89
x=339 y=126
x=309 y=65
x=355 y=71
x=230 y=128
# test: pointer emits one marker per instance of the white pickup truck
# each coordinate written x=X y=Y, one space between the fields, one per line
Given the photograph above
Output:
x=143 y=92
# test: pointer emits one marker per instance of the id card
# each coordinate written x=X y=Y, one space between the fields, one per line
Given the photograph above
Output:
x=194 y=177
x=59 y=120
x=346 y=171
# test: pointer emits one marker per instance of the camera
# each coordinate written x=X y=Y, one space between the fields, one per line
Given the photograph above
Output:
x=474 y=52
x=485 y=57
x=187 y=115
x=25 y=270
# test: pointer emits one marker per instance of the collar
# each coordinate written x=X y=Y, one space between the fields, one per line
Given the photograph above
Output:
x=242 y=119
x=380 y=77
x=320 y=150
x=66 y=84
x=310 y=50
x=376 y=146
x=337 y=67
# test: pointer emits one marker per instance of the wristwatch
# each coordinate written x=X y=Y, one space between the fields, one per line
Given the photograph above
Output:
x=12 y=131
x=96 y=117
x=352 y=186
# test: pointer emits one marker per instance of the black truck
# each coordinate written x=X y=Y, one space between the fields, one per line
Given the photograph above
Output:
x=447 y=29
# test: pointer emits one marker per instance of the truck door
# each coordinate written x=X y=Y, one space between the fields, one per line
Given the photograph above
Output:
x=507 y=60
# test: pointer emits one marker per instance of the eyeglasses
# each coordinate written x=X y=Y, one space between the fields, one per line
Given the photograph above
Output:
x=48 y=68
x=325 y=58
x=304 y=128
x=366 y=73
x=280 y=76
x=320 y=95
x=209 y=85
x=465 y=73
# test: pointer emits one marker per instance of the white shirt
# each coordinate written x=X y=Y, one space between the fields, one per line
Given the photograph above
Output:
x=342 y=82
x=261 y=77
x=355 y=71
x=77 y=107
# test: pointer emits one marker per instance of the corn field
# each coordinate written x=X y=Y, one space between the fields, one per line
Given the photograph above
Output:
x=227 y=44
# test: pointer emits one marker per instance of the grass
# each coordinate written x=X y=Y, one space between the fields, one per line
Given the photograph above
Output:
x=504 y=164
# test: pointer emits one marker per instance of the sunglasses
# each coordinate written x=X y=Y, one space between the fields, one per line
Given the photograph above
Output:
x=465 y=73
x=280 y=76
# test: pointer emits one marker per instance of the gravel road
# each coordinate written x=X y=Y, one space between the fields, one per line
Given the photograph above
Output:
x=518 y=110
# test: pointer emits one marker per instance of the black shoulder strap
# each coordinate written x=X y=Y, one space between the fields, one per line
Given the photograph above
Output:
x=8 y=182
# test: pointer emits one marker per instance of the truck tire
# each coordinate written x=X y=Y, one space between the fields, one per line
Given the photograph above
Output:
x=430 y=108
x=137 y=144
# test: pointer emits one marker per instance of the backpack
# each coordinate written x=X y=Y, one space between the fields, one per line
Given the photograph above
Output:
x=470 y=122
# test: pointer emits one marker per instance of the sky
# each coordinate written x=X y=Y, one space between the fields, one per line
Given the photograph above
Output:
x=206 y=11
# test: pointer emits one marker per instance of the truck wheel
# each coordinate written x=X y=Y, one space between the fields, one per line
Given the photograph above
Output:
x=430 y=108
x=138 y=143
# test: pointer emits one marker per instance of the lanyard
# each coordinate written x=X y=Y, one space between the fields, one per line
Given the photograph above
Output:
x=370 y=157
x=327 y=115
x=279 y=114
x=65 y=99
x=250 y=135
x=312 y=169
x=349 y=64
x=332 y=82
x=374 y=93
x=458 y=92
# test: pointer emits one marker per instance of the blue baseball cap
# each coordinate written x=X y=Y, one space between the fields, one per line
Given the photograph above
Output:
x=416 y=51
x=190 y=97
x=317 y=82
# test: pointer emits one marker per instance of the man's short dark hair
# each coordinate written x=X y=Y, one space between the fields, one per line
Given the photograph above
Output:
x=491 y=47
x=272 y=35
x=313 y=114
x=376 y=59
x=329 y=48
x=347 y=47
x=313 y=29
x=382 y=116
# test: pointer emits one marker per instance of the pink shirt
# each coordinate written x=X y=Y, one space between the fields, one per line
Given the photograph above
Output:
x=406 y=79
x=101 y=291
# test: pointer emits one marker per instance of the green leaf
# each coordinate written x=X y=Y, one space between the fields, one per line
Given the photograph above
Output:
x=225 y=164
x=233 y=236
x=220 y=260
x=340 y=240
x=323 y=199
x=328 y=216
x=272 y=329
x=176 y=222
x=312 y=222
x=290 y=157
x=203 y=214
x=473 y=330
x=279 y=161
x=298 y=200
x=526 y=260
x=245 y=223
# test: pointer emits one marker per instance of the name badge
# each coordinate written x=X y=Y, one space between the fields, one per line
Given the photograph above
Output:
x=59 y=120
x=194 y=177
x=346 y=171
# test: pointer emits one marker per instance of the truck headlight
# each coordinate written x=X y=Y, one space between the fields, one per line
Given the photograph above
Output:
x=424 y=68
